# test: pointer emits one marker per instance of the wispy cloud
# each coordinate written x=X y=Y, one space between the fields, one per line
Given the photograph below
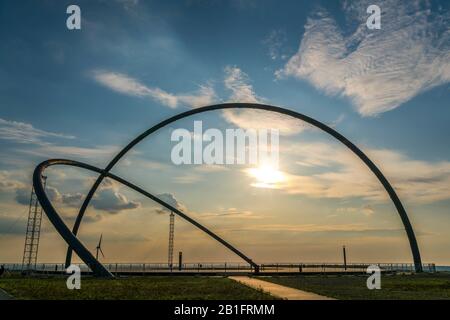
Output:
x=258 y=119
x=33 y=141
x=127 y=85
x=187 y=178
x=222 y=212
x=315 y=228
x=275 y=42
x=230 y=213
x=99 y=152
x=366 y=210
x=9 y=181
x=238 y=83
x=210 y=168
x=377 y=69
x=128 y=4
x=21 y=132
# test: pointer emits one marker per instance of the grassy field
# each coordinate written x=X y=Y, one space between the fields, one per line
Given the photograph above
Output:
x=141 y=288
x=397 y=287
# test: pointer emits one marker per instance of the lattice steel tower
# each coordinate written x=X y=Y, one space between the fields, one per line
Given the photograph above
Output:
x=33 y=232
x=171 y=236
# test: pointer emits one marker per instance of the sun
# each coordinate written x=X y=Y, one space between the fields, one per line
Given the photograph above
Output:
x=266 y=176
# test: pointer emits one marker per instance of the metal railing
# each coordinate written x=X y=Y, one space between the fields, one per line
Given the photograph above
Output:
x=227 y=267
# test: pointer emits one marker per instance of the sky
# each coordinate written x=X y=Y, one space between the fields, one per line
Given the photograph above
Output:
x=84 y=94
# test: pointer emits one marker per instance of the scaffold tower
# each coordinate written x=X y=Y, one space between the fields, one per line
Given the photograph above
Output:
x=33 y=232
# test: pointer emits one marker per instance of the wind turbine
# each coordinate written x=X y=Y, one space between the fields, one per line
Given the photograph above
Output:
x=99 y=247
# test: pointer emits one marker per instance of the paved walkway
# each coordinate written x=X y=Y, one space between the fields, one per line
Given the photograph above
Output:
x=4 y=295
x=278 y=290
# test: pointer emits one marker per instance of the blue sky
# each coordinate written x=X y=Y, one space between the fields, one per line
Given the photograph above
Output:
x=83 y=94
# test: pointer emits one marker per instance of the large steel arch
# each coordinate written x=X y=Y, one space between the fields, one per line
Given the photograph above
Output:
x=389 y=189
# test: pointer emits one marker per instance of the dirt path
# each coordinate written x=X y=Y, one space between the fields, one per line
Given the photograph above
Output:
x=278 y=290
x=4 y=295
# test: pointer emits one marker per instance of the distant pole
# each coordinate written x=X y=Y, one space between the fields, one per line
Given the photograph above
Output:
x=345 y=258
x=180 y=260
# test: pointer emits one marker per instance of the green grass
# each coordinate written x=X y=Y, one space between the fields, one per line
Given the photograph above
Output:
x=396 y=287
x=140 y=288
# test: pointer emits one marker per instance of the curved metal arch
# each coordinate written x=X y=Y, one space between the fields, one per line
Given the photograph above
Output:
x=73 y=241
x=390 y=190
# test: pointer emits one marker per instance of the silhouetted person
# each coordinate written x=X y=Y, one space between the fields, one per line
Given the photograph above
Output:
x=2 y=270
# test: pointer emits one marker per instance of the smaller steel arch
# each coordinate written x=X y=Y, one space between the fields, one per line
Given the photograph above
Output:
x=76 y=244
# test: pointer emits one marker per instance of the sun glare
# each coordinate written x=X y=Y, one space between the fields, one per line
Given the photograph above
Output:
x=266 y=176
